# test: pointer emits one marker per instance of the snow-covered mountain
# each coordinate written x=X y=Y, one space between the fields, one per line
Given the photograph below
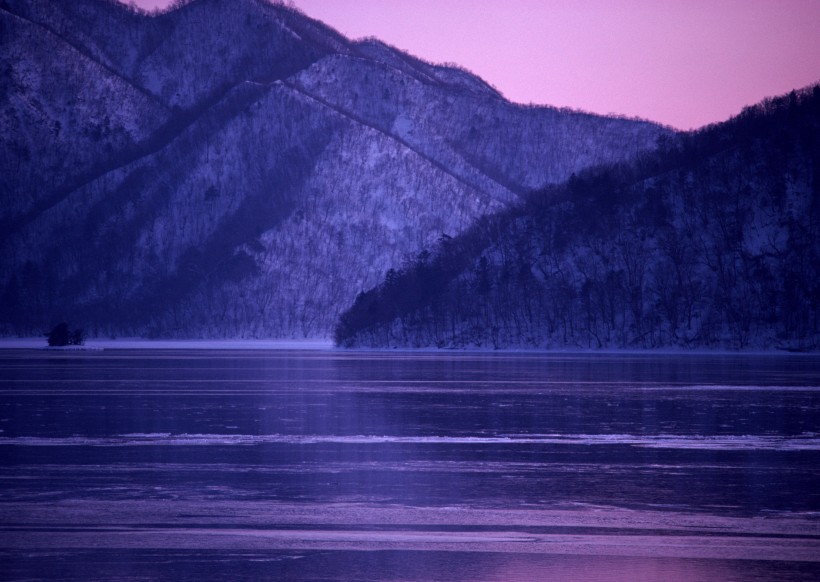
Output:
x=233 y=168
x=711 y=241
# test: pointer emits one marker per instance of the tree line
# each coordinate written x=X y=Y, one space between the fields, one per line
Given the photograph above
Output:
x=712 y=241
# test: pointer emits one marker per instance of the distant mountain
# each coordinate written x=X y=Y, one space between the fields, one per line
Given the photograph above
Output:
x=713 y=241
x=233 y=168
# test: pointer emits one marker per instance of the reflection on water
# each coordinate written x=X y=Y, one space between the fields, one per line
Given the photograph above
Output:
x=409 y=466
x=394 y=566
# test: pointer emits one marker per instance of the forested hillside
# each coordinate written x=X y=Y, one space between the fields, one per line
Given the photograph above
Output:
x=233 y=168
x=711 y=242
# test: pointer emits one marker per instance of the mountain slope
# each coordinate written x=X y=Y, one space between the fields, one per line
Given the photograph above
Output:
x=54 y=124
x=260 y=169
x=714 y=241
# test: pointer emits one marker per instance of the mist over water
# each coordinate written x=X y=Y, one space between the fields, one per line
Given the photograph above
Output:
x=409 y=466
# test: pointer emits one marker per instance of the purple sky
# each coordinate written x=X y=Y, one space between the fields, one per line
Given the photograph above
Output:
x=680 y=62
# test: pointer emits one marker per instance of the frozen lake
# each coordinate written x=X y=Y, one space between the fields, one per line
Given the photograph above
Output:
x=322 y=465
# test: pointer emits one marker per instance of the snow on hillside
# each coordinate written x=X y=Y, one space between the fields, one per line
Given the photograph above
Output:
x=235 y=169
x=711 y=242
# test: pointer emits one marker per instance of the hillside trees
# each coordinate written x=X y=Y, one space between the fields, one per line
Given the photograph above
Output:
x=232 y=168
x=712 y=242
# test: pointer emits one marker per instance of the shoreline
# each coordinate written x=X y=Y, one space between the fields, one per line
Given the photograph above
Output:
x=39 y=343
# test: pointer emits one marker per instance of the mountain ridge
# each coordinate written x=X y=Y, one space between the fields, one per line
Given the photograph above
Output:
x=267 y=186
x=709 y=242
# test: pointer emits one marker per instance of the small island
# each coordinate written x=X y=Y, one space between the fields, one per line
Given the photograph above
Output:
x=61 y=336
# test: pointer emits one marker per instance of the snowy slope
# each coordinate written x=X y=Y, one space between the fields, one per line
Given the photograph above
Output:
x=711 y=242
x=235 y=169
x=55 y=125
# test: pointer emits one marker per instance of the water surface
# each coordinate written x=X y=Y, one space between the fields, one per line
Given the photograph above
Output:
x=275 y=465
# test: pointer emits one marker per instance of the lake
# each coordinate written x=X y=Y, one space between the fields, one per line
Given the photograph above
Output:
x=326 y=465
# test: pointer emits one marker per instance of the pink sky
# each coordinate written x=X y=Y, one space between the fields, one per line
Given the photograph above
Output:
x=680 y=62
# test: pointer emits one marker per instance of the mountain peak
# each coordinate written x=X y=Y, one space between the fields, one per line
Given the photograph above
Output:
x=237 y=169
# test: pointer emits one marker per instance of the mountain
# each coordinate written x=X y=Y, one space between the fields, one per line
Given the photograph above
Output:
x=712 y=241
x=233 y=168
